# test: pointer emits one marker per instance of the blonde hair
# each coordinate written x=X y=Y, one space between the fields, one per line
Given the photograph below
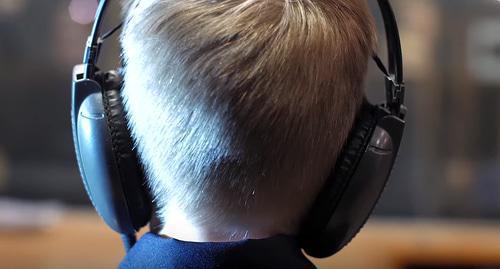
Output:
x=239 y=108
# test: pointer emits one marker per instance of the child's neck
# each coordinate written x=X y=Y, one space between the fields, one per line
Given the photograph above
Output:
x=176 y=224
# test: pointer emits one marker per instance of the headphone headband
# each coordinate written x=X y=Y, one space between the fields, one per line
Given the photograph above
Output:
x=393 y=41
x=94 y=42
x=395 y=89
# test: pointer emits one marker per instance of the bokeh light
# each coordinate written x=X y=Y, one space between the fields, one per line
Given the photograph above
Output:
x=82 y=11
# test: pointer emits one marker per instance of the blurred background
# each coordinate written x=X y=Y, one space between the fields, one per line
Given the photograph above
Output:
x=440 y=210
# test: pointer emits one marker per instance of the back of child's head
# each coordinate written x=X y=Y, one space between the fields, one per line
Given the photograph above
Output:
x=239 y=108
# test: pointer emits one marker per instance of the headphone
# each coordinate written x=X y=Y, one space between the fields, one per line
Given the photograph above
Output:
x=115 y=182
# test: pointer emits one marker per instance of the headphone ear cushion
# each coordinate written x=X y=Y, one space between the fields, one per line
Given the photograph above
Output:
x=316 y=225
x=115 y=114
x=356 y=144
x=130 y=171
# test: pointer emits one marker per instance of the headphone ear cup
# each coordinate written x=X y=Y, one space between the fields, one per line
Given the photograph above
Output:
x=317 y=224
x=130 y=171
x=356 y=183
x=106 y=159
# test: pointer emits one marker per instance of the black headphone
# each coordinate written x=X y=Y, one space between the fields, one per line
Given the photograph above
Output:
x=114 y=179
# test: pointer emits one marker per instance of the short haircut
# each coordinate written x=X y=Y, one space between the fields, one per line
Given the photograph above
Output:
x=239 y=108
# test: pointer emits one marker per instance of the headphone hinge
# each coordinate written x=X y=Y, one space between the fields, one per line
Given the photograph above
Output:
x=395 y=97
x=90 y=57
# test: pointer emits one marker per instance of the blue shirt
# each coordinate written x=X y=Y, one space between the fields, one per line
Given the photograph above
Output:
x=155 y=252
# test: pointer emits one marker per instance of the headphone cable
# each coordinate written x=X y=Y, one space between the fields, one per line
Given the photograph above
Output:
x=111 y=32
